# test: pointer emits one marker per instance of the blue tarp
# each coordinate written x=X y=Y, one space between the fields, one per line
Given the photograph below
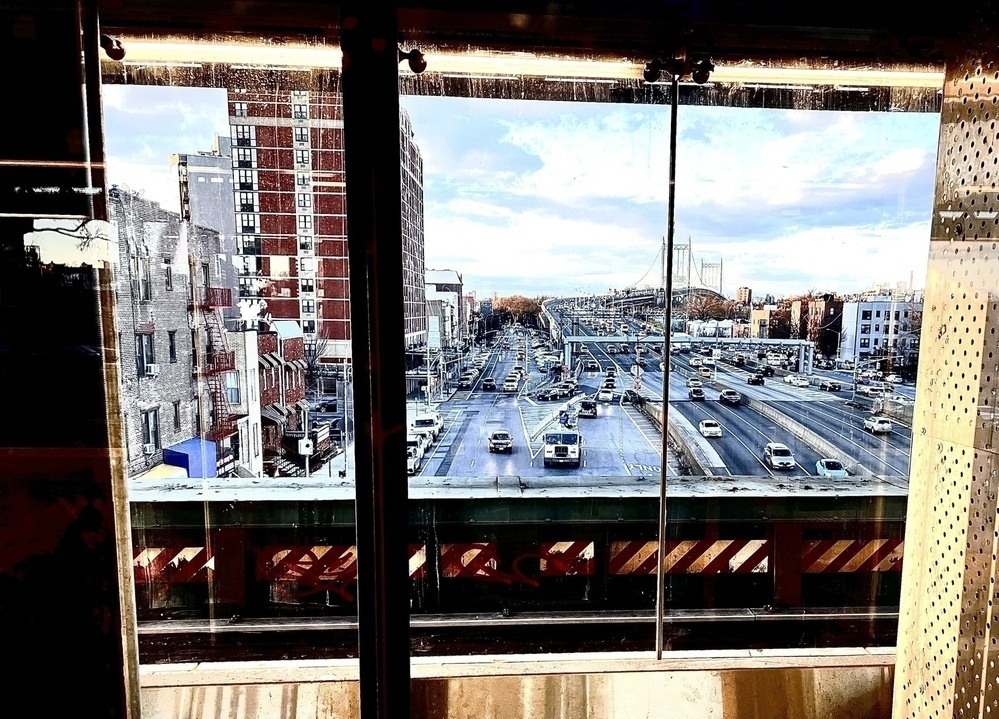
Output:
x=196 y=455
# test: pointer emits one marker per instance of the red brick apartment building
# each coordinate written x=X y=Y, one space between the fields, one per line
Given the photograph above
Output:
x=289 y=188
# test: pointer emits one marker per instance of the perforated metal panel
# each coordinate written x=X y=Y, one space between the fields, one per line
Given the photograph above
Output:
x=948 y=625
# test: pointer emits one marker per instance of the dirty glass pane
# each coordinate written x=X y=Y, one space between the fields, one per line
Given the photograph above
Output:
x=227 y=208
x=566 y=313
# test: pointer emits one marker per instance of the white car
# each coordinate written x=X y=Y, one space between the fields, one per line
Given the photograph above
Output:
x=796 y=380
x=778 y=456
x=709 y=428
x=605 y=395
x=412 y=461
x=894 y=379
x=830 y=468
x=877 y=425
x=694 y=382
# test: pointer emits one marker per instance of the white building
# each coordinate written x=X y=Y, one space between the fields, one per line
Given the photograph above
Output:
x=445 y=287
x=876 y=324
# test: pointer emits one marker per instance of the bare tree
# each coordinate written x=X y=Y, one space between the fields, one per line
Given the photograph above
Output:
x=313 y=366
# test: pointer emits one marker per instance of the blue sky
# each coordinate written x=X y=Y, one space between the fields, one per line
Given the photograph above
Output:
x=569 y=198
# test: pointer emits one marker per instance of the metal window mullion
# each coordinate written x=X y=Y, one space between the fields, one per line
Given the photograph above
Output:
x=375 y=262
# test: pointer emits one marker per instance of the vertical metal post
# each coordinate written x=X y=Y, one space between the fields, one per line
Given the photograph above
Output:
x=374 y=238
x=667 y=309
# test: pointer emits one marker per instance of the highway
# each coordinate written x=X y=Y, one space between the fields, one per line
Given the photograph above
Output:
x=623 y=441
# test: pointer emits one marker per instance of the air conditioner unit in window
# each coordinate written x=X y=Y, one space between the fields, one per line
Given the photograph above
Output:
x=152 y=370
x=148 y=448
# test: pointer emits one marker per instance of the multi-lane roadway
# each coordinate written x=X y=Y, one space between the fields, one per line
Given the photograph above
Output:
x=622 y=441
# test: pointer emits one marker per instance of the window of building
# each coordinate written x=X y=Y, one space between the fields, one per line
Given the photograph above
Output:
x=865 y=329
x=865 y=343
x=301 y=157
x=172 y=338
x=301 y=134
x=308 y=306
x=302 y=179
x=145 y=354
x=309 y=326
x=168 y=274
x=305 y=222
x=239 y=109
x=304 y=199
x=246 y=202
x=232 y=387
x=141 y=283
x=246 y=180
x=176 y=416
x=150 y=421
x=249 y=223
x=877 y=313
x=305 y=264
x=206 y=275
x=300 y=112
x=865 y=315
x=244 y=135
x=245 y=157
x=305 y=242
x=307 y=285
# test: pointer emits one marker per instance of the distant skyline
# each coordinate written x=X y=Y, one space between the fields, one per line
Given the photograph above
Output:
x=537 y=197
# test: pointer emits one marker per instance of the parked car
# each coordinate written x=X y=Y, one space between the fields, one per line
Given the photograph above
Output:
x=605 y=395
x=412 y=461
x=432 y=421
x=501 y=440
x=696 y=394
x=877 y=425
x=830 y=468
x=729 y=396
x=830 y=385
x=778 y=456
x=755 y=379
x=709 y=428
x=418 y=443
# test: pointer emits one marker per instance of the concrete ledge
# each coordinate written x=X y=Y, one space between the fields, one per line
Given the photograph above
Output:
x=346 y=670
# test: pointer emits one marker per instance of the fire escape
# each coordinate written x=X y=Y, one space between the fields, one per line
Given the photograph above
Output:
x=220 y=359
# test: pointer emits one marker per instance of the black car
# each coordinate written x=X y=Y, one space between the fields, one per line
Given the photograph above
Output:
x=830 y=385
x=696 y=394
x=465 y=383
x=755 y=379
x=489 y=384
x=630 y=396
x=766 y=371
x=729 y=396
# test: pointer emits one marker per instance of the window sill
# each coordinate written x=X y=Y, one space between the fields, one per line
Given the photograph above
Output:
x=343 y=670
